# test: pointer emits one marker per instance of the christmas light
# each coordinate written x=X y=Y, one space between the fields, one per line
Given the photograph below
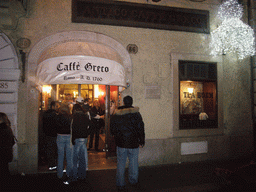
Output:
x=230 y=9
x=232 y=35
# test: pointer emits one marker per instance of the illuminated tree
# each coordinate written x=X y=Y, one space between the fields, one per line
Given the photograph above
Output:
x=232 y=35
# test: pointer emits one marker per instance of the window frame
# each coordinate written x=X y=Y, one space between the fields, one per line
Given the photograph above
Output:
x=193 y=122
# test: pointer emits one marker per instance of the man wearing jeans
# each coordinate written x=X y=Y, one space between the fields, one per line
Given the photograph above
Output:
x=127 y=127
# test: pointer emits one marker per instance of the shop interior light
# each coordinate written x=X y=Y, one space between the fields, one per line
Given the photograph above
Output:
x=190 y=90
x=96 y=91
x=75 y=93
x=47 y=89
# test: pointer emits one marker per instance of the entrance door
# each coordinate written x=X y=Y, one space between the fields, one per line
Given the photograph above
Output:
x=67 y=93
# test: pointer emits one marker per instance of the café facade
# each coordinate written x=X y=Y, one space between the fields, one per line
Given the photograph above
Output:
x=195 y=106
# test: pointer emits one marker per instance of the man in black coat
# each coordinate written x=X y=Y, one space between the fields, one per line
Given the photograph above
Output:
x=50 y=131
x=127 y=127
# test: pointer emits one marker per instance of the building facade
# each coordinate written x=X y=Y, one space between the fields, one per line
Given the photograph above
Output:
x=160 y=65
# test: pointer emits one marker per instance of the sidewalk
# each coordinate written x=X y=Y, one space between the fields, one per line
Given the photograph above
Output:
x=185 y=177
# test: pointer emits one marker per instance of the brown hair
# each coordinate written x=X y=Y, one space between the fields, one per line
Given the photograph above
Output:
x=77 y=107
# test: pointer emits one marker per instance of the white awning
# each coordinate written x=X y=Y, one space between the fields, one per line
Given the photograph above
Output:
x=81 y=70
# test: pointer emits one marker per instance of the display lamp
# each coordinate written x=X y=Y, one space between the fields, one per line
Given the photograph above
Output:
x=190 y=90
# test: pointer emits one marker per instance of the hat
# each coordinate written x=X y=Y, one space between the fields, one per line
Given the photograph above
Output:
x=80 y=99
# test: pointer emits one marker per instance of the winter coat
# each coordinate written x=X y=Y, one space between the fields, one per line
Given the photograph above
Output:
x=80 y=126
x=49 y=123
x=127 y=127
x=63 y=123
x=6 y=143
x=97 y=123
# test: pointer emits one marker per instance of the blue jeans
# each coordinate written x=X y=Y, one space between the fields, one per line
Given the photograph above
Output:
x=64 y=147
x=133 y=170
x=80 y=159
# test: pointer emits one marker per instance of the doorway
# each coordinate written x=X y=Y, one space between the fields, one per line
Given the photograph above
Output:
x=78 y=45
x=105 y=156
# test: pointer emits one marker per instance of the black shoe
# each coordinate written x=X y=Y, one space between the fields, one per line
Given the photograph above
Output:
x=137 y=187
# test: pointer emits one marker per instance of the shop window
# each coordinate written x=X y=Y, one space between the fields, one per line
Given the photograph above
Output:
x=67 y=93
x=198 y=95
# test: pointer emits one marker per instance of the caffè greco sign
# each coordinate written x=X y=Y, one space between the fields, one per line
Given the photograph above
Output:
x=81 y=70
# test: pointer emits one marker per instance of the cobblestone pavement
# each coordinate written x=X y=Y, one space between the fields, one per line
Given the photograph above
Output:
x=210 y=176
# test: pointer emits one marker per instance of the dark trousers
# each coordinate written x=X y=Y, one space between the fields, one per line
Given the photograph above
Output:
x=96 y=132
x=51 y=151
x=4 y=169
x=4 y=175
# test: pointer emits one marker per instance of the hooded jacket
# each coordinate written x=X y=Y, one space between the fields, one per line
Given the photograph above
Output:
x=127 y=127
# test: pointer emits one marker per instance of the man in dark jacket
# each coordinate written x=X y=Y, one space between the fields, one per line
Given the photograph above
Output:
x=50 y=131
x=80 y=130
x=127 y=127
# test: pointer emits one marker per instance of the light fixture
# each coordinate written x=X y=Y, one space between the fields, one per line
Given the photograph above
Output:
x=190 y=90
x=47 y=89
x=232 y=35
x=96 y=91
x=75 y=93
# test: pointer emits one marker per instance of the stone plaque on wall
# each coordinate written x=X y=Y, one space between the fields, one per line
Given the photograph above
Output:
x=140 y=15
x=152 y=92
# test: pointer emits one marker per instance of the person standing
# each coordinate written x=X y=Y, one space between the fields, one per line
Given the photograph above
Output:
x=7 y=140
x=80 y=125
x=127 y=127
x=64 y=144
x=97 y=124
x=50 y=131
x=83 y=102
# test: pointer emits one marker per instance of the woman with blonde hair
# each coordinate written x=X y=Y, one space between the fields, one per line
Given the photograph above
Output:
x=97 y=124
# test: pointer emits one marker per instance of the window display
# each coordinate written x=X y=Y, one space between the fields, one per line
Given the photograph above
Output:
x=198 y=96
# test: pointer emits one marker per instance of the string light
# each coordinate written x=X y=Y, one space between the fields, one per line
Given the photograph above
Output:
x=232 y=35
x=230 y=9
